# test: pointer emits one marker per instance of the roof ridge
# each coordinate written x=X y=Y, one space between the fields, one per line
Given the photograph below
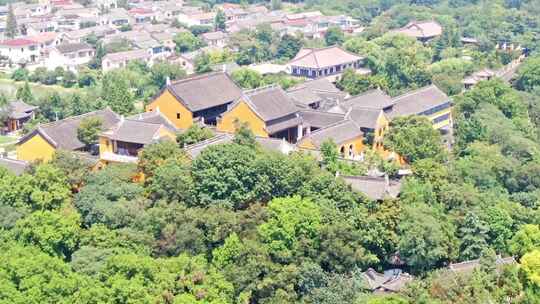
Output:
x=320 y=112
x=196 y=77
x=77 y=116
x=406 y=94
x=207 y=141
x=261 y=89
x=332 y=125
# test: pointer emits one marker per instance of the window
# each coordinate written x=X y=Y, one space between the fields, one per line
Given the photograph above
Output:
x=342 y=151
x=351 y=151
x=177 y=115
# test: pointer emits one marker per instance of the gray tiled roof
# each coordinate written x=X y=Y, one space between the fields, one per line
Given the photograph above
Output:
x=418 y=101
x=154 y=117
x=364 y=117
x=73 y=47
x=270 y=103
x=205 y=91
x=339 y=132
x=371 y=99
x=134 y=131
x=375 y=188
x=62 y=134
x=14 y=166
x=320 y=119
x=20 y=109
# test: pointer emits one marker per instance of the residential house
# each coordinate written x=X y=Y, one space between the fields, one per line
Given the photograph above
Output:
x=391 y=281
x=116 y=17
x=482 y=75
x=421 y=30
x=428 y=101
x=325 y=62
x=70 y=56
x=197 y=18
x=45 y=40
x=215 y=39
x=20 y=50
x=107 y=4
x=142 y=15
x=122 y=142
x=345 y=134
x=267 y=111
x=187 y=63
x=196 y=98
x=19 y=113
x=375 y=188
x=46 y=139
x=469 y=266
x=121 y=59
x=14 y=166
x=316 y=94
x=80 y=35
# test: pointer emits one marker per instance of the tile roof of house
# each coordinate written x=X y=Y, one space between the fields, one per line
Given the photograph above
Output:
x=44 y=37
x=375 y=188
x=217 y=35
x=127 y=55
x=323 y=57
x=20 y=109
x=339 y=132
x=270 y=102
x=66 y=48
x=62 y=134
x=364 y=117
x=468 y=266
x=418 y=101
x=134 y=131
x=320 y=119
x=205 y=91
x=303 y=96
x=421 y=29
x=14 y=166
x=393 y=280
x=18 y=42
x=155 y=117
x=375 y=99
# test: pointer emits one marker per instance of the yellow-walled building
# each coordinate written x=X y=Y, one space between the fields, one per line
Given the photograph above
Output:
x=268 y=112
x=196 y=98
x=42 y=143
x=345 y=134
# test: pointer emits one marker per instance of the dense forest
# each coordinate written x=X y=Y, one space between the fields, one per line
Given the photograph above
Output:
x=240 y=224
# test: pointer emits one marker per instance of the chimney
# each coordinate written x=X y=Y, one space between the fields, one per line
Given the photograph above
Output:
x=168 y=81
x=387 y=180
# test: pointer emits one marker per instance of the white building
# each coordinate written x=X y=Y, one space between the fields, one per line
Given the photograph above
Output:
x=121 y=59
x=20 y=50
x=69 y=56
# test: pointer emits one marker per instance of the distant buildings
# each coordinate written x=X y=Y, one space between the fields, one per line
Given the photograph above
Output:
x=421 y=30
x=325 y=62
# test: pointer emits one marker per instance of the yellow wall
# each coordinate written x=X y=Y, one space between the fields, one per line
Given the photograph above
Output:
x=444 y=122
x=243 y=113
x=170 y=107
x=358 y=145
x=35 y=148
x=164 y=132
x=105 y=145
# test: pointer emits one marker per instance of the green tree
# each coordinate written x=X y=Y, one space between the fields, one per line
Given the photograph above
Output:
x=414 y=138
x=161 y=71
x=247 y=78
x=193 y=135
x=202 y=63
x=530 y=266
x=12 y=29
x=528 y=77
x=20 y=74
x=288 y=46
x=73 y=165
x=89 y=129
x=293 y=222
x=53 y=232
x=187 y=42
x=219 y=21
x=473 y=236
x=116 y=93
x=24 y=93
x=243 y=135
x=525 y=240
x=155 y=155
x=334 y=36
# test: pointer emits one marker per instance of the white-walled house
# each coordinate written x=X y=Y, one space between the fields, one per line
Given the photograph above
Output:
x=121 y=59
x=69 y=56
x=20 y=50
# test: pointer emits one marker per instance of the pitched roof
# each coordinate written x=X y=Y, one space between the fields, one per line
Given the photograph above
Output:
x=73 y=47
x=205 y=91
x=214 y=35
x=422 y=29
x=376 y=99
x=320 y=119
x=20 y=109
x=127 y=55
x=339 y=132
x=270 y=102
x=62 y=134
x=14 y=166
x=155 y=117
x=313 y=91
x=418 y=101
x=470 y=265
x=364 y=117
x=134 y=131
x=375 y=188
x=18 y=42
x=323 y=57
